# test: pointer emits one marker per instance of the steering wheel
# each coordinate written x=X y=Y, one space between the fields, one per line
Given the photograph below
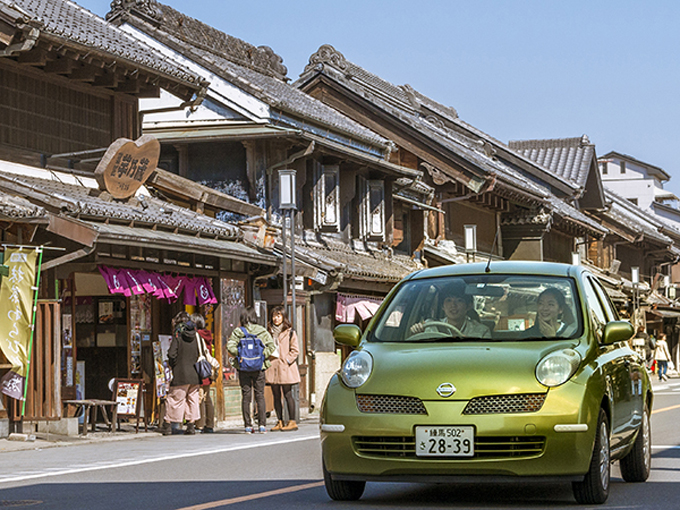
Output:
x=453 y=331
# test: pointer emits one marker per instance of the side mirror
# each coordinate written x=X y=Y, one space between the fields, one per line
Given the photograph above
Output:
x=347 y=334
x=617 y=331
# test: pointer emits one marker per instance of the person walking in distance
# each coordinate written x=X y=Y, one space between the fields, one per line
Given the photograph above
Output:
x=662 y=356
x=251 y=345
x=283 y=372
x=207 y=420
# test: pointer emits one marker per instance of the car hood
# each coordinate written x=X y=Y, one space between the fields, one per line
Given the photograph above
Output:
x=477 y=369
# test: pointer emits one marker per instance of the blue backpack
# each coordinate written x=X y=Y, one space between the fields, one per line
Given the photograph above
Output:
x=250 y=353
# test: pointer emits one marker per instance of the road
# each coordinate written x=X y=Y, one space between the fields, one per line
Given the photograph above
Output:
x=282 y=471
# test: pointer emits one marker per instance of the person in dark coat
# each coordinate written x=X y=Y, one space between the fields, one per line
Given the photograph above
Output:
x=183 y=398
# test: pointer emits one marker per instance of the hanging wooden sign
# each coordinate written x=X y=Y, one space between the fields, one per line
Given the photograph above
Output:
x=127 y=164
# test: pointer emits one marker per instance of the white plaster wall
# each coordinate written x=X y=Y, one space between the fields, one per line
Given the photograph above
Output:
x=327 y=364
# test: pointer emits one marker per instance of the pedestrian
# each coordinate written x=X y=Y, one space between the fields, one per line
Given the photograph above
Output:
x=182 y=402
x=206 y=423
x=644 y=344
x=662 y=357
x=283 y=372
x=250 y=371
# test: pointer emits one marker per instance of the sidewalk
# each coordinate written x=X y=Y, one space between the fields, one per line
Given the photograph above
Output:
x=127 y=432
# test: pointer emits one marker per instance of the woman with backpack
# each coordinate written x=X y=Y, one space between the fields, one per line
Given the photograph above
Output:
x=251 y=345
x=283 y=372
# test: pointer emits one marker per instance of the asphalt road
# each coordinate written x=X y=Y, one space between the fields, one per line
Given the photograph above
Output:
x=282 y=471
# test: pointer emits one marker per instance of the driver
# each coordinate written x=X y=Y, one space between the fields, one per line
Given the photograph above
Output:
x=459 y=312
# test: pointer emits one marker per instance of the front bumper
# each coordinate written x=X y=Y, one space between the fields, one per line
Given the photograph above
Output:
x=373 y=446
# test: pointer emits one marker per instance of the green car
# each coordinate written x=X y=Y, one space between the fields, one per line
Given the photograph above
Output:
x=489 y=372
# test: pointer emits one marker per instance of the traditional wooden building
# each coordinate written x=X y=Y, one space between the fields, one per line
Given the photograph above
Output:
x=252 y=123
x=528 y=211
x=69 y=86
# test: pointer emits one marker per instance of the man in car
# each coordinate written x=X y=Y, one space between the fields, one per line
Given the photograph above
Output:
x=459 y=312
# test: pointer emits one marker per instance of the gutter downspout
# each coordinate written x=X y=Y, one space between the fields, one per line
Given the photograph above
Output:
x=31 y=34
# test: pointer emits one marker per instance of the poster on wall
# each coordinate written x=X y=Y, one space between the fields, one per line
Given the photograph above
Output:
x=67 y=331
x=80 y=386
x=159 y=370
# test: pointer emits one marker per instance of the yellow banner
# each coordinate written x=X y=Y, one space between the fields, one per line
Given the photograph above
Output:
x=16 y=315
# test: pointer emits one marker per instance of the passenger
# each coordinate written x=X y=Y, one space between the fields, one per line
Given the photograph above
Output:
x=553 y=317
x=458 y=311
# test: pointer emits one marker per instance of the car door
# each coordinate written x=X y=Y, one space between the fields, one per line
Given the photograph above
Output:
x=631 y=408
x=613 y=366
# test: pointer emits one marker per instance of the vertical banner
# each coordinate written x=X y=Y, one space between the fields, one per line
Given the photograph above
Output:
x=16 y=317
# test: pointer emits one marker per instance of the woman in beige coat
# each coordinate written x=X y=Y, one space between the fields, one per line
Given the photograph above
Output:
x=283 y=372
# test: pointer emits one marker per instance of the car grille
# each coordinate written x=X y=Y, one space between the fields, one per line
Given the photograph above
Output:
x=506 y=404
x=491 y=447
x=389 y=404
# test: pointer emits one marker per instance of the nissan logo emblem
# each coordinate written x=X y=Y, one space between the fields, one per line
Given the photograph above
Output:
x=446 y=389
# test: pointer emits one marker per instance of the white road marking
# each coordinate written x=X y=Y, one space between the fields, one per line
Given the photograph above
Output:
x=119 y=464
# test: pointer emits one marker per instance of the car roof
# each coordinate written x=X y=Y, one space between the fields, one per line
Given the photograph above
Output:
x=500 y=267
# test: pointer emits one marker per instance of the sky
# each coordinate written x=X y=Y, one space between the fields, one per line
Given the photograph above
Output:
x=515 y=69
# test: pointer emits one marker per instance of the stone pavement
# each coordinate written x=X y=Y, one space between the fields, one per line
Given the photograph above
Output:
x=127 y=432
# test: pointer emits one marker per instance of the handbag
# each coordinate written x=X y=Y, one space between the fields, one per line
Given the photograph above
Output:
x=203 y=367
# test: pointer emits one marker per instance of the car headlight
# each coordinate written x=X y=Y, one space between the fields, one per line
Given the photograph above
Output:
x=557 y=367
x=356 y=369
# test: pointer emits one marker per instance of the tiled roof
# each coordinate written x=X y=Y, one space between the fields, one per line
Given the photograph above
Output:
x=635 y=219
x=84 y=201
x=257 y=70
x=355 y=260
x=16 y=209
x=570 y=158
x=655 y=169
x=437 y=122
x=67 y=21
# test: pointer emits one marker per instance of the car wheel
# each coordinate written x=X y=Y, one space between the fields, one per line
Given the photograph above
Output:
x=637 y=464
x=594 y=489
x=342 y=490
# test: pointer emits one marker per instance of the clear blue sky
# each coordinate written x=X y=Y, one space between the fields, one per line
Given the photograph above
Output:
x=514 y=69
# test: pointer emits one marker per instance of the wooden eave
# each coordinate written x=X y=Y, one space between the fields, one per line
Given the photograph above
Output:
x=364 y=112
x=79 y=63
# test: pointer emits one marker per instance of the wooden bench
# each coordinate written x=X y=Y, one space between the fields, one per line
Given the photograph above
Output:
x=89 y=408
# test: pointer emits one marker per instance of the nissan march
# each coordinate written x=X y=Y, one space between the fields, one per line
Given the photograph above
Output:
x=500 y=371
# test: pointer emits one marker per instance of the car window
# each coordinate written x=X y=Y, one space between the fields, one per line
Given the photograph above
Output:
x=495 y=307
x=597 y=315
x=606 y=302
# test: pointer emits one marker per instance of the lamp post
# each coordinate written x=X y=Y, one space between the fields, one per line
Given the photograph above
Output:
x=287 y=204
x=470 y=240
x=635 y=278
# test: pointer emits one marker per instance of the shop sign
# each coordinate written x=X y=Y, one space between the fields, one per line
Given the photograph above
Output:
x=16 y=294
x=127 y=165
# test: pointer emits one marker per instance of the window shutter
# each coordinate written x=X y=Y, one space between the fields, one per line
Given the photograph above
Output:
x=327 y=198
x=373 y=210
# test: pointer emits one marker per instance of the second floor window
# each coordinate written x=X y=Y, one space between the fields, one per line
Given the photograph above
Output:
x=327 y=198
x=372 y=214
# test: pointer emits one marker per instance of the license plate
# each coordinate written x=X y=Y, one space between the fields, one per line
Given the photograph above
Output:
x=445 y=441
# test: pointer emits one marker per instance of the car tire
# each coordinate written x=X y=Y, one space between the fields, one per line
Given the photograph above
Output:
x=594 y=488
x=637 y=464
x=342 y=490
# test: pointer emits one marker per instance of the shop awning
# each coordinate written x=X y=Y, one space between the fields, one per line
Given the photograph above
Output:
x=144 y=237
x=348 y=305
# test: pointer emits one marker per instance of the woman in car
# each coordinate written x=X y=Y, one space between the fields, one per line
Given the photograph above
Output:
x=553 y=317
x=459 y=312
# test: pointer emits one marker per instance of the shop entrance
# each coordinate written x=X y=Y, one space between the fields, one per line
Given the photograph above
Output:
x=101 y=341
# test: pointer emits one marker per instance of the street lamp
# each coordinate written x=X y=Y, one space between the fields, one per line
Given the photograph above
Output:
x=470 y=239
x=635 y=278
x=287 y=204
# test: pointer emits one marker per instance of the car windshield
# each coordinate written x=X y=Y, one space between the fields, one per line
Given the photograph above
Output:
x=481 y=307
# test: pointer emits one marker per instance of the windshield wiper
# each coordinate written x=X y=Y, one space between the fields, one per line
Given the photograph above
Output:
x=454 y=339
